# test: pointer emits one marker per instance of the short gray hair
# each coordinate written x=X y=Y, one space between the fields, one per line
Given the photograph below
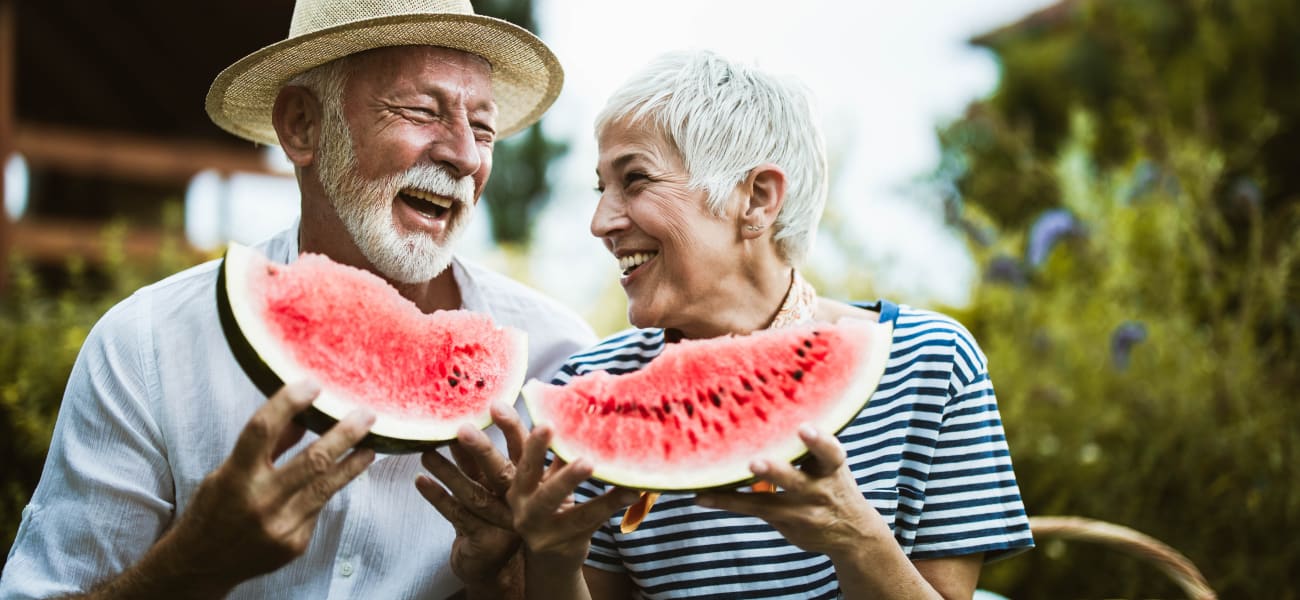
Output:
x=726 y=118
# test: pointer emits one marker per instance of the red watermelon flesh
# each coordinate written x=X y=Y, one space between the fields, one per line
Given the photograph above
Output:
x=423 y=374
x=697 y=415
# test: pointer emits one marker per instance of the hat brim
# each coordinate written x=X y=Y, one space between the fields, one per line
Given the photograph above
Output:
x=526 y=77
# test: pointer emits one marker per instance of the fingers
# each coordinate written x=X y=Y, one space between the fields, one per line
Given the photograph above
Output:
x=507 y=420
x=745 y=503
x=462 y=519
x=468 y=494
x=311 y=497
x=496 y=470
x=320 y=458
x=827 y=452
x=531 y=462
x=258 y=440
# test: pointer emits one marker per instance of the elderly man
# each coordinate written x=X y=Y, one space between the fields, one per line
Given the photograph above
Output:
x=169 y=474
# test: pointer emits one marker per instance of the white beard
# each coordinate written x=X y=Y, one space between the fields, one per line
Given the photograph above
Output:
x=365 y=207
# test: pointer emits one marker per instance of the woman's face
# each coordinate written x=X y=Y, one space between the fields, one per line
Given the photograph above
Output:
x=677 y=257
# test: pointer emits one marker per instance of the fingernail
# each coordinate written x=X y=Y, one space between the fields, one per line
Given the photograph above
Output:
x=808 y=431
x=304 y=390
x=758 y=467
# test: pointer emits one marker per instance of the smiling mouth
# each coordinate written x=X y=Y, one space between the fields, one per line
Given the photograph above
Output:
x=427 y=204
x=634 y=261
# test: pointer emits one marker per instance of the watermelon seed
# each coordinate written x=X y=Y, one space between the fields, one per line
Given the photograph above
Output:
x=745 y=384
x=452 y=381
x=762 y=415
x=478 y=384
x=713 y=397
x=455 y=371
x=807 y=343
x=800 y=352
x=690 y=409
x=668 y=407
x=797 y=375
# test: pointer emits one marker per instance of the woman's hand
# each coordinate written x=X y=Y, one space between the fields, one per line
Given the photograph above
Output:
x=557 y=531
x=819 y=507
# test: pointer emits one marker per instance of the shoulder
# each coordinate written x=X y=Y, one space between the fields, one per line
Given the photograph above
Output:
x=190 y=290
x=916 y=328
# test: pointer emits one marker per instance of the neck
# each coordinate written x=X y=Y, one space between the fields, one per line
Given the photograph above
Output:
x=322 y=232
x=744 y=305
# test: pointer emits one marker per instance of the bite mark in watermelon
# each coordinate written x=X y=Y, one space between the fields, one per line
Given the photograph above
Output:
x=700 y=412
x=422 y=374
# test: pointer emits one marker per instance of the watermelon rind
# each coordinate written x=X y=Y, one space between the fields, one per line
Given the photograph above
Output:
x=270 y=366
x=692 y=478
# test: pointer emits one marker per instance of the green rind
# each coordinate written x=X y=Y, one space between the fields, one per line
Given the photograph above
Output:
x=863 y=387
x=268 y=382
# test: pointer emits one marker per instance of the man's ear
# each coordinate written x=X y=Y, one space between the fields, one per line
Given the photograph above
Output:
x=296 y=116
x=766 y=194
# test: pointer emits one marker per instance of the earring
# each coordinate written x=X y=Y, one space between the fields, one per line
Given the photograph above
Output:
x=754 y=227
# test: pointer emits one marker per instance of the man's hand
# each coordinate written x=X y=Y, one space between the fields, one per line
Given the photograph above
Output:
x=249 y=517
x=474 y=501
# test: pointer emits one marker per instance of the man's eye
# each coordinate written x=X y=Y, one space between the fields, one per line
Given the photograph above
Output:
x=633 y=177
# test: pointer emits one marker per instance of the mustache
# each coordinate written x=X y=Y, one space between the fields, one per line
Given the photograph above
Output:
x=437 y=180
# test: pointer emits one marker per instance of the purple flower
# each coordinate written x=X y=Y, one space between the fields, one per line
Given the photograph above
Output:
x=1005 y=269
x=1122 y=341
x=1051 y=227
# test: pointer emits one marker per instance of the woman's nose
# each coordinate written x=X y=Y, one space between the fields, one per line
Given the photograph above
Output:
x=609 y=216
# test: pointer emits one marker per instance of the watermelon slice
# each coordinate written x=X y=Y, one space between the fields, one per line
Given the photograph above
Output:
x=696 y=416
x=423 y=374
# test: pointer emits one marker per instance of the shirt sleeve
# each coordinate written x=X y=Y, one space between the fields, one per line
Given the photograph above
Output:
x=972 y=500
x=106 y=492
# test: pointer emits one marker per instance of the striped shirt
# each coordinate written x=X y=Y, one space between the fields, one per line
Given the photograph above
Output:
x=928 y=451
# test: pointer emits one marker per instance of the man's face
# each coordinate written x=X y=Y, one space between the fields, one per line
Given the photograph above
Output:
x=405 y=157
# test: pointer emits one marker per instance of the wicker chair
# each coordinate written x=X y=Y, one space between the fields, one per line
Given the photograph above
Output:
x=1135 y=543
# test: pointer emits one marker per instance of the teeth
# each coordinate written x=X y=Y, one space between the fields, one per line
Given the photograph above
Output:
x=633 y=261
x=427 y=197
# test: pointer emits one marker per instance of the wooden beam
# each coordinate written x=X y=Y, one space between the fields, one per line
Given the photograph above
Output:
x=8 y=46
x=131 y=157
x=53 y=241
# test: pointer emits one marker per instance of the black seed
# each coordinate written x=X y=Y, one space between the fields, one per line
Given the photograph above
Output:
x=797 y=375
x=800 y=352
x=807 y=343
x=455 y=371
x=478 y=384
x=690 y=409
x=713 y=397
x=748 y=388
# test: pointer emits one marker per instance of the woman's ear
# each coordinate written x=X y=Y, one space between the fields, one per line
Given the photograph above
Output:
x=766 y=187
x=296 y=117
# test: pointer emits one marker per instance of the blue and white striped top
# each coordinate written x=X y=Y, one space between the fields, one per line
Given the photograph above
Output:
x=928 y=451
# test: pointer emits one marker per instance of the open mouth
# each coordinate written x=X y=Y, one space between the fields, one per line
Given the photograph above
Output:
x=634 y=261
x=427 y=204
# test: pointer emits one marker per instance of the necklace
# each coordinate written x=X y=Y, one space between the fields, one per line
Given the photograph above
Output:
x=799 y=305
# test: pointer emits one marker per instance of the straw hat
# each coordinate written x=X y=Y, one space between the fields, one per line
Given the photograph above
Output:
x=526 y=77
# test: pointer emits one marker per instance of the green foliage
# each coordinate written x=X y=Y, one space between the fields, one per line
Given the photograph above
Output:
x=1166 y=130
x=42 y=327
x=518 y=188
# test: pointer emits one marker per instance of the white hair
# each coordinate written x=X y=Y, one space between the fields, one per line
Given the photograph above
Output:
x=726 y=118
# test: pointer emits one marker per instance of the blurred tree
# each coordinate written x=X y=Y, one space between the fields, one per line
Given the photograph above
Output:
x=518 y=187
x=1138 y=222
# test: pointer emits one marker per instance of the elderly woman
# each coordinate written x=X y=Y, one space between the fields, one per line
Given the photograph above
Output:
x=712 y=178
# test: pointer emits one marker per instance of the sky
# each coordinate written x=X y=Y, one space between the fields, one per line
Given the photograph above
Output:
x=885 y=75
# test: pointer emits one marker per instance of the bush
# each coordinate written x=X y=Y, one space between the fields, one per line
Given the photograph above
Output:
x=44 y=318
x=1146 y=371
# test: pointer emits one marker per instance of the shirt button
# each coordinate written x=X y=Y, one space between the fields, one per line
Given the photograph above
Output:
x=346 y=569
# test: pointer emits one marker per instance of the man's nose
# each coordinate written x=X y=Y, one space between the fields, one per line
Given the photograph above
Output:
x=457 y=149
